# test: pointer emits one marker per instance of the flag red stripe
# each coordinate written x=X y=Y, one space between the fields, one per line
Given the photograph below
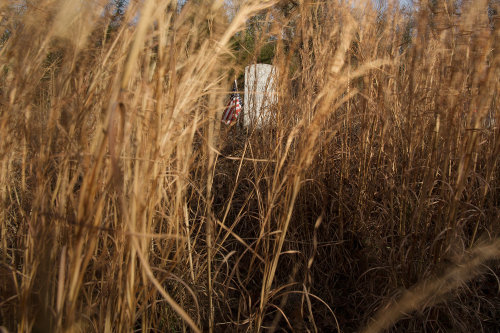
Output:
x=232 y=110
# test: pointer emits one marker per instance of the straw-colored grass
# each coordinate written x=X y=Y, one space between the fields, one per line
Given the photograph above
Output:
x=369 y=200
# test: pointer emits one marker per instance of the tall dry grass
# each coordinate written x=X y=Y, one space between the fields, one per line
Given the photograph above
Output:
x=127 y=206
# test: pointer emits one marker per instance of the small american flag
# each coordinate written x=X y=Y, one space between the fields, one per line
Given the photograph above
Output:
x=233 y=108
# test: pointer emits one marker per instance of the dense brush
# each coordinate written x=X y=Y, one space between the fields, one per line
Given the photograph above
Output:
x=369 y=199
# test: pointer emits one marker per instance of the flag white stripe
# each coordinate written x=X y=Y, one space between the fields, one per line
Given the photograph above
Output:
x=232 y=110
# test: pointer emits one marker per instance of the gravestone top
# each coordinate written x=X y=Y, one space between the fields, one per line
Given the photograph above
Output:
x=260 y=94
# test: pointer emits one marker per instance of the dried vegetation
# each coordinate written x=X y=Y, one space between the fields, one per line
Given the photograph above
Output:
x=370 y=200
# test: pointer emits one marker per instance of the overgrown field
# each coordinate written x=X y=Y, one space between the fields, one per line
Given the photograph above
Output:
x=370 y=201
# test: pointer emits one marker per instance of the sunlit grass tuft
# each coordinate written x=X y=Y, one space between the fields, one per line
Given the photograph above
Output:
x=126 y=205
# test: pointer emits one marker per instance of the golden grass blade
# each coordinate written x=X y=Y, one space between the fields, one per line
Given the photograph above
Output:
x=430 y=292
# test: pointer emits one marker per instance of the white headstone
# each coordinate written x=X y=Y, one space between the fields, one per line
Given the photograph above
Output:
x=260 y=94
